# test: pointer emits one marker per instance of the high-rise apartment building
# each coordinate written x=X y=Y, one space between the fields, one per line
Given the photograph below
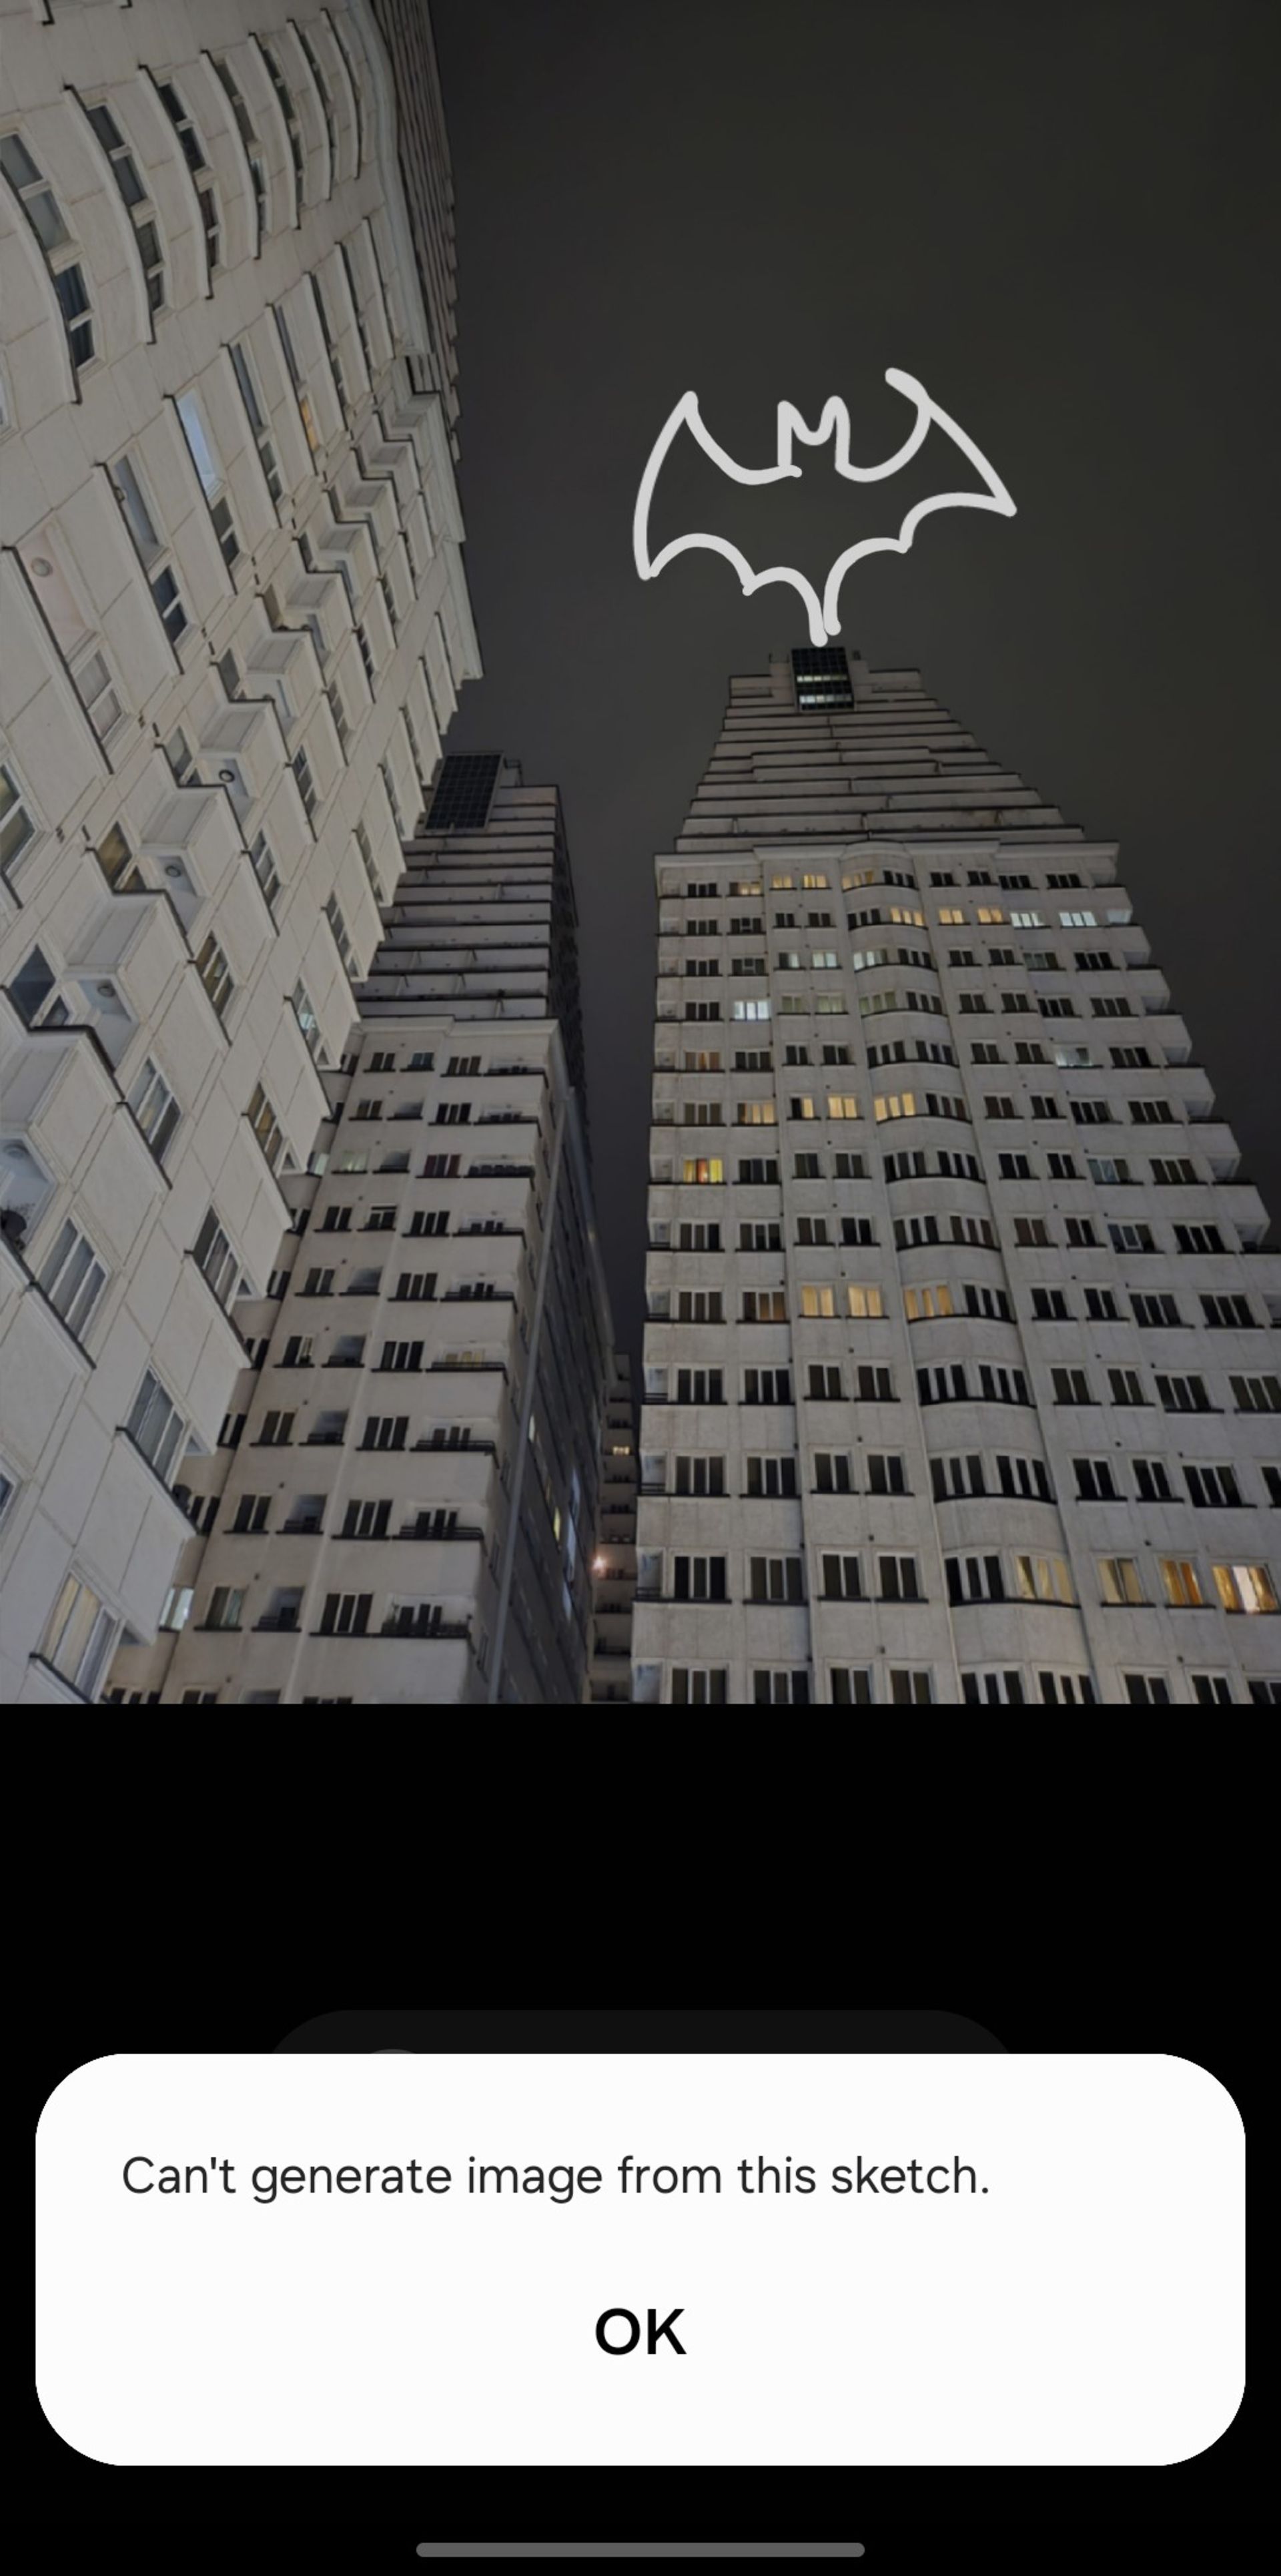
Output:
x=235 y=621
x=403 y=1501
x=614 y=1559
x=423 y=144
x=960 y=1369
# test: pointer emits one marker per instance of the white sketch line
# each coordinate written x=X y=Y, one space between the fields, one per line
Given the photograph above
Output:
x=834 y=424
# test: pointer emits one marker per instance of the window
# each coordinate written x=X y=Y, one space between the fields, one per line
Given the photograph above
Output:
x=1119 y=1582
x=1213 y=1488
x=1095 y=1482
x=328 y=1430
x=253 y=149
x=155 y=1108
x=43 y=213
x=401 y=1355
x=1182 y=1583
x=1228 y=1314
x=288 y=110
x=1155 y=1310
x=152 y=549
x=301 y=767
x=155 y=1425
x=208 y=465
x=386 y=1431
x=346 y=1614
x=17 y=828
x=768 y=1386
x=832 y=1472
x=898 y=1578
x=266 y=1127
x=699 y=1578
x=1043 y=1578
x=774 y=1578
x=124 y=170
x=851 y=1688
x=1183 y=1394
x=941 y=1385
x=952 y=1478
x=1146 y=1690
x=695 y=1686
x=699 y=1475
x=1128 y=1236
x=1256 y=1394
x=1244 y=1587
x=1070 y=1386
x=177 y=1607
x=760 y=1306
x=308 y=1023
x=79 y=1635
x=1022 y=1475
x=1101 y=1306
x=335 y=369
x=703 y=1169
x=1151 y=1481
x=1050 y=1306
x=215 y=1259
x=923 y=1304
x=770 y=1476
x=73 y=1278
x=784 y=1688
x=1125 y=1386
x=842 y=1578
x=215 y=974
x=823 y=1382
x=700 y=1386
x=196 y=158
x=974 y=1578
x=994 y=1689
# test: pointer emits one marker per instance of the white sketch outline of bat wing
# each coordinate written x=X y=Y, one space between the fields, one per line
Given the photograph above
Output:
x=833 y=423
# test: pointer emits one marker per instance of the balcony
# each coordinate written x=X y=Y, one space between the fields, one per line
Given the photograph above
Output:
x=424 y=1623
x=422 y=1530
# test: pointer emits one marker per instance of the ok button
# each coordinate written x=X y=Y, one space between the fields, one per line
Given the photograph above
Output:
x=608 y=2335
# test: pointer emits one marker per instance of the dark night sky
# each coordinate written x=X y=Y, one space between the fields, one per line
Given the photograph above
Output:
x=1063 y=222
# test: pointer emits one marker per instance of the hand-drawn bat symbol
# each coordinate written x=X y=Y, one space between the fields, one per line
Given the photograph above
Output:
x=834 y=423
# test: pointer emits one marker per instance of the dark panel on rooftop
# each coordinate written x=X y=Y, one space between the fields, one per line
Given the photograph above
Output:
x=464 y=792
x=822 y=676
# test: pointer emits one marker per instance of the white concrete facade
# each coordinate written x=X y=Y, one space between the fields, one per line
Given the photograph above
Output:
x=960 y=1377
x=402 y=1503
x=235 y=623
x=614 y=1560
